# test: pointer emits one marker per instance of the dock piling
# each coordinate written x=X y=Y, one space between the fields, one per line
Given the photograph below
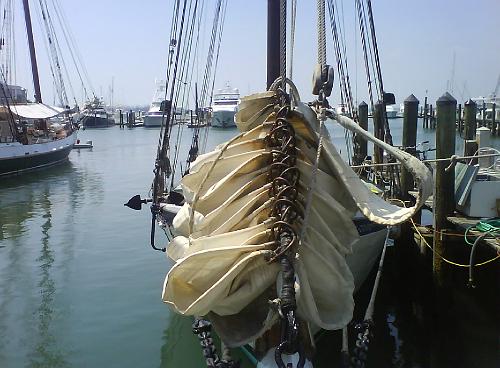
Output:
x=362 y=143
x=493 y=122
x=425 y=121
x=378 y=128
x=409 y=140
x=470 y=125
x=444 y=182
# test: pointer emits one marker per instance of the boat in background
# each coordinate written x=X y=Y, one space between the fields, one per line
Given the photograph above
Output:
x=33 y=135
x=485 y=106
x=224 y=107
x=94 y=115
x=392 y=111
x=155 y=114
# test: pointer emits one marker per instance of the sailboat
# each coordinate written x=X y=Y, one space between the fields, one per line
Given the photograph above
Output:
x=272 y=232
x=32 y=134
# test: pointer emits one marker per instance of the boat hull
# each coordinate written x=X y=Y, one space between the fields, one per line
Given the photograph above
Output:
x=16 y=158
x=223 y=119
x=90 y=121
x=153 y=120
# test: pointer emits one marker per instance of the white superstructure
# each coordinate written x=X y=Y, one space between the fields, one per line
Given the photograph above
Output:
x=154 y=116
x=485 y=107
x=224 y=107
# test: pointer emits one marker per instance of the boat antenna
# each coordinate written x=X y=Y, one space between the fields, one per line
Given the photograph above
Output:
x=31 y=43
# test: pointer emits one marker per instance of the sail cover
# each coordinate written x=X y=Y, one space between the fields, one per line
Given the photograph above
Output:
x=34 y=110
x=221 y=248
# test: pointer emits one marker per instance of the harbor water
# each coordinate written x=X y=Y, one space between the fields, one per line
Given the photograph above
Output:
x=80 y=286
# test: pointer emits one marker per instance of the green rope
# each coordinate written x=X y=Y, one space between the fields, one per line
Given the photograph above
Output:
x=491 y=226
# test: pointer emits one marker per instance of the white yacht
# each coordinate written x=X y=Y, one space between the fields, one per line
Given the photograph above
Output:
x=224 y=107
x=486 y=104
x=392 y=111
x=154 y=116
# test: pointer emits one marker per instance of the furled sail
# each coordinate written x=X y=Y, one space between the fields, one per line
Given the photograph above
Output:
x=222 y=245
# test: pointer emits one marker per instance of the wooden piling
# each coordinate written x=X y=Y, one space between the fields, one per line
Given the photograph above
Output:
x=378 y=128
x=425 y=125
x=470 y=125
x=444 y=182
x=493 y=122
x=409 y=142
x=361 y=143
x=483 y=114
x=430 y=121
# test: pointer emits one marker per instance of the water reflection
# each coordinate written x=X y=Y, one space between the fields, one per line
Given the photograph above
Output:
x=46 y=352
x=180 y=346
x=37 y=238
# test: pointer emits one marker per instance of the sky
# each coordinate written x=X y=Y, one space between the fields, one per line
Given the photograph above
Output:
x=127 y=41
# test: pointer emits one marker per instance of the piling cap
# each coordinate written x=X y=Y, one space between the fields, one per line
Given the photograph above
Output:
x=363 y=103
x=446 y=99
x=411 y=99
x=469 y=102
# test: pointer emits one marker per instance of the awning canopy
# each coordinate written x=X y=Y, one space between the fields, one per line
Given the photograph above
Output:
x=34 y=110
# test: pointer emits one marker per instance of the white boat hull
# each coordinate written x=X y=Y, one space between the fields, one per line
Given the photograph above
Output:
x=223 y=119
x=153 y=120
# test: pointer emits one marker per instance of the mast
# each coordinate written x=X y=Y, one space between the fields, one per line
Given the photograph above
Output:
x=31 y=43
x=273 y=41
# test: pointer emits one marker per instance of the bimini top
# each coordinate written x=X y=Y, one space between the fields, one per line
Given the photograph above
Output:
x=34 y=110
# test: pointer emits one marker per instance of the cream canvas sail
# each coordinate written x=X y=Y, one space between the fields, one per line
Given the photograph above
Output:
x=221 y=248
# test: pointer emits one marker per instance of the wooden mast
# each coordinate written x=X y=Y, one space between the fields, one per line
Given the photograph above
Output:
x=273 y=41
x=31 y=43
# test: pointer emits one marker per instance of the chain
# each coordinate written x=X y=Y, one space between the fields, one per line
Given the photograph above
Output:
x=360 y=351
x=203 y=329
x=284 y=177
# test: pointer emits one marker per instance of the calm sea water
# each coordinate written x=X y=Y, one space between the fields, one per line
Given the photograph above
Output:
x=79 y=284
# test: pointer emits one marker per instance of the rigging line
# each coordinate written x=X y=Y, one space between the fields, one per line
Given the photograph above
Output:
x=293 y=20
x=283 y=41
x=219 y=30
x=171 y=48
x=58 y=81
x=371 y=51
x=219 y=40
x=73 y=44
x=7 y=95
x=174 y=48
x=45 y=43
x=188 y=67
x=320 y=4
x=165 y=143
x=195 y=136
x=68 y=43
x=208 y=66
x=59 y=50
x=375 y=46
x=345 y=91
x=365 y=54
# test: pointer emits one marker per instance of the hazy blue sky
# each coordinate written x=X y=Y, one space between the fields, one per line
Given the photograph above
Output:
x=128 y=40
